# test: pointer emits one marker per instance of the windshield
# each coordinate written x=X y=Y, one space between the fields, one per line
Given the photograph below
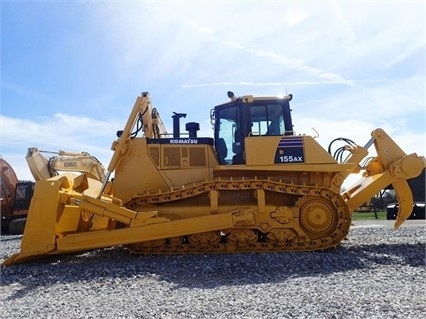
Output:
x=267 y=120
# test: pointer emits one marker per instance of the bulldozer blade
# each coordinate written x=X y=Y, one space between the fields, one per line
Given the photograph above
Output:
x=39 y=234
x=405 y=201
x=53 y=222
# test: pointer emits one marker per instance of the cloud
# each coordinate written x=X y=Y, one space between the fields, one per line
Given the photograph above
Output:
x=293 y=64
x=294 y=17
x=407 y=53
x=351 y=66
x=281 y=84
x=221 y=42
x=19 y=90
x=70 y=129
x=59 y=132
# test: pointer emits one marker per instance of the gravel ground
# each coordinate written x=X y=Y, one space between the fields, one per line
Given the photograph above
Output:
x=377 y=273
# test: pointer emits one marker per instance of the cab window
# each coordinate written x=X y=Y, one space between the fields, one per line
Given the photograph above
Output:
x=267 y=120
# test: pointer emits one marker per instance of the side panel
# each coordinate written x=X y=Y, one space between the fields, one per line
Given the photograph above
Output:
x=289 y=150
x=136 y=173
x=157 y=166
x=186 y=163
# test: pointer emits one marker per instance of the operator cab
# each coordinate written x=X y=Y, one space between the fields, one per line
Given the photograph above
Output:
x=248 y=117
x=24 y=191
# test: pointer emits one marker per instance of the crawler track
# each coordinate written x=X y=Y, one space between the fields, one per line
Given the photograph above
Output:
x=319 y=219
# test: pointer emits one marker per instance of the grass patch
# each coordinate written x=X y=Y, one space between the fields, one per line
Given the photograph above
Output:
x=369 y=215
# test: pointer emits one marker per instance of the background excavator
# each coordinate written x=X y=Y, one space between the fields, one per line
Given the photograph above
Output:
x=43 y=168
x=255 y=186
x=15 y=197
x=16 y=194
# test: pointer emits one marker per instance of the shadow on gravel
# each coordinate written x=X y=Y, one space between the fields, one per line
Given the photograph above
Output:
x=8 y=237
x=206 y=271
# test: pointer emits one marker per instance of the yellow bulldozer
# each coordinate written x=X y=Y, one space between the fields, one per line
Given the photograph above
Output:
x=255 y=187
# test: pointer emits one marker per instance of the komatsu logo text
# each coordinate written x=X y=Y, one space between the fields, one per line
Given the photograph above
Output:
x=183 y=141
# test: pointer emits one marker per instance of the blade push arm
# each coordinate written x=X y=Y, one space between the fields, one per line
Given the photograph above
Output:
x=152 y=127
